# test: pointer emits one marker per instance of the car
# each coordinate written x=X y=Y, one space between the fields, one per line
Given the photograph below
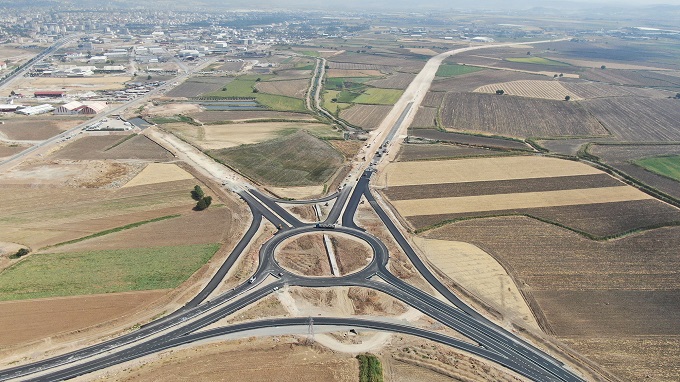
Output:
x=280 y=274
x=252 y=280
x=276 y=288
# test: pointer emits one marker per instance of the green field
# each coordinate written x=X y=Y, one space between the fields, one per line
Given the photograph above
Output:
x=95 y=272
x=328 y=103
x=536 y=60
x=452 y=70
x=242 y=87
x=665 y=166
x=370 y=368
x=375 y=96
x=298 y=159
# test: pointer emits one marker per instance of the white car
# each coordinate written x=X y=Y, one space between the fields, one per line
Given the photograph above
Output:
x=252 y=280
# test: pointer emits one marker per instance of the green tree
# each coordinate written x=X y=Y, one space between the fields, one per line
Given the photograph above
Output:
x=603 y=67
x=203 y=203
x=500 y=91
x=148 y=77
x=197 y=193
x=567 y=98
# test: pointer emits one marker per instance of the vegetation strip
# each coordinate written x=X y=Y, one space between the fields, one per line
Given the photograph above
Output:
x=370 y=368
x=112 y=230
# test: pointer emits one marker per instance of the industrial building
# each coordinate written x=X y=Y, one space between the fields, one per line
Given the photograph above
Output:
x=35 y=110
x=75 y=107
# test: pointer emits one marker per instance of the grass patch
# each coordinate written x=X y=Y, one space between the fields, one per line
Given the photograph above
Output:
x=112 y=230
x=668 y=166
x=164 y=120
x=243 y=86
x=452 y=70
x=536 y=60
x=370 y=368
x=311 y=53
x=298 y=159
x=96 y=272
x=375 y=96
x=347 y=83
x=328 y=103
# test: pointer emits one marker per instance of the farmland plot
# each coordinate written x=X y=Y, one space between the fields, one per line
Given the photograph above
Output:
x=196 y=86
x=613 y=307
x=638 y=119
x=471 y=81
x=599 y=90
x=439 y=151
x=368 y=117
x=529 y=88
x=292 y=88
x=293 y=74
x=353 y=73
x=633 y=78
x=394 y=81
x=425 y=117
x=31 y=129
x=517 y=117
x=472 y=140
x=353 y=66
x=114 y=147
x=248 y=115
x=433 y=99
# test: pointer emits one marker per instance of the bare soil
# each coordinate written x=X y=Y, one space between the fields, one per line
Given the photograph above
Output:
x=367 y=117
x=370 y=302
x=113 y=147
x=439 y=151
x=31 y=320
x=305 y=255
x=467 y=139
x=350 y=254
x=35 y=128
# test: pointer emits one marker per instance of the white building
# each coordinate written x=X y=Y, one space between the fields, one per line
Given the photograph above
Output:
x=70 y=108
x=35 y=110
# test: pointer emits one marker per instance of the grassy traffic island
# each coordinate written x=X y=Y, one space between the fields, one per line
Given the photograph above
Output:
x=107 y=271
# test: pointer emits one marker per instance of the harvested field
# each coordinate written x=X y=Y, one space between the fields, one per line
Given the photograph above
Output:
x=33 y=129
x=233 y=66
x=638 y=119
x=433 y=99
x=171 y=110
x=629 y=288
x=304 y=255
x=471 y=81
x=353 y=73
x=293 y=74
x=351 y=254
x=598 y=220
x=215 y=137
x=158 y=173
x=297 y=159
x=196 y=86
x=368 y=117
x=469 y=204
x=291 y=88
x=426 y=117
x=622 y=157
x=30 y=320
x=483 y=169
x=349 y=148
x=96 y=272
x=517 y=117
x=633 y=78
x=452 y=70
x=440 y=151
x=498 y=187
x=248 y=360
x=351 y=60
x=394 y=81
x=598 y=90
x=247 y=115
x=479 y=274
x=113 y=147
x=344 y=66
x=531 y=88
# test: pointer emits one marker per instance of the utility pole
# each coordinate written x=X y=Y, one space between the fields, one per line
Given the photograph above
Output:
x=310 y=331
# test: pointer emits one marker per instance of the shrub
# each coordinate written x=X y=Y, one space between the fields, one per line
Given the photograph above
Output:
x=197 y=193
x=203 y=203
x=21 y=252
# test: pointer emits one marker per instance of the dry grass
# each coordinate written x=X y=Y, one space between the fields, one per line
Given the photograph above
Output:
x=291 y=88
x=350 y=254
x=32 y=128
x=367 y=117
x=481 y=169
x=158 y=173
x=78 y=83
x=305 y=255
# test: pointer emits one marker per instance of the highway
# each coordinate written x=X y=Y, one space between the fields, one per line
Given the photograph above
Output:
x=489 y=341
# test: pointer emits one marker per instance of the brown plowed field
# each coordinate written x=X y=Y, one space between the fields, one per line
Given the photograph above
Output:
x=30 y=320
x=471 y=81
x=290 y=88
x=426 y=117
x=394 y=81
x=599 y=90
x=531 y=88
x=102 y=147
x=472 y=140
x=353 y=73
x=367 y=117
x=293 y=74
x=517 y=117
x=599 y=219
x=304 y=255
x=35 y=129
x=589 y=289
x=638 y=119
x=633 y=78
x=244 y=115
x=196 y=86
x=438 y=151
x=353 y=66
x=433 y=99
x=621 y=158
x=512 y=186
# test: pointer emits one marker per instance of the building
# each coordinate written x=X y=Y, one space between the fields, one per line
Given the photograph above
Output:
x=70 y=108
x=35 y=110
x=92 y=107
x=3 y=65
x=49 y=94
x=9 y=108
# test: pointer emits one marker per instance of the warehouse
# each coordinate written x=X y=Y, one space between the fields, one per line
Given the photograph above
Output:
x=69 y=108
x=35 y=110
x=75 y=107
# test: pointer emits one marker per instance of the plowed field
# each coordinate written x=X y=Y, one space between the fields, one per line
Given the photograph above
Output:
x=368 y=117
